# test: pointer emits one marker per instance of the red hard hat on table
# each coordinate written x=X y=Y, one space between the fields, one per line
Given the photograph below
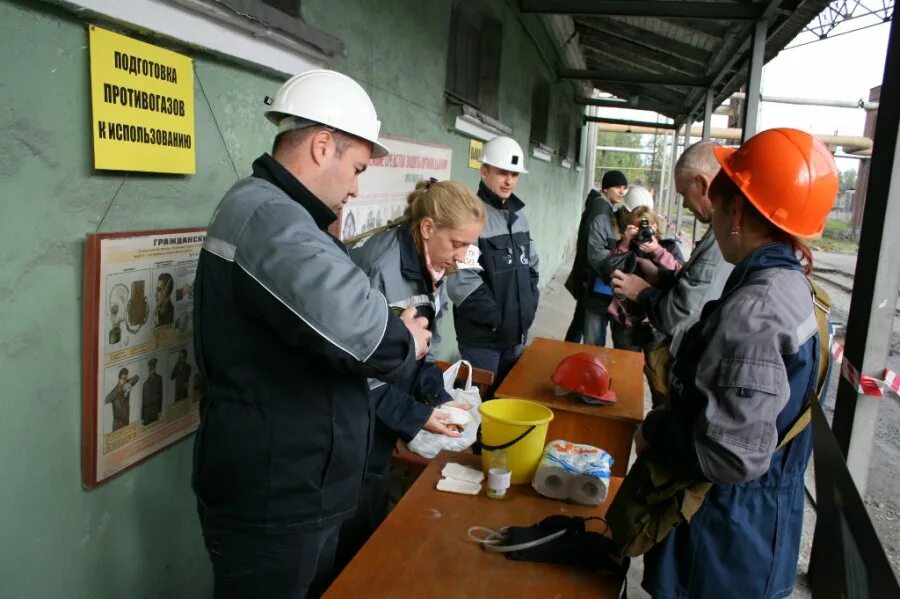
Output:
x=586 y=375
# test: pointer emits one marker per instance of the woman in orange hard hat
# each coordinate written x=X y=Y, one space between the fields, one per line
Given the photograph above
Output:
x=739 y=383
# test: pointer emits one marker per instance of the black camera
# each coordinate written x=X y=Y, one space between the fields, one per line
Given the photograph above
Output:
x=645 y=231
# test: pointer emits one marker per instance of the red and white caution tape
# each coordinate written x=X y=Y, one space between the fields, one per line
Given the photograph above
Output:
x=867 y=385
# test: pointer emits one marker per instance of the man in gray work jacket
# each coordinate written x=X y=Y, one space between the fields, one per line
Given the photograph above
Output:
x=287 y=330
x=494 y=307
x=676 y=298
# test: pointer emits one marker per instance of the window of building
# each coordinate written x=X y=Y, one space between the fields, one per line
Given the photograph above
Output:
x=473 y=64
x=540 y=113
x=579 y=133
x=565 y=134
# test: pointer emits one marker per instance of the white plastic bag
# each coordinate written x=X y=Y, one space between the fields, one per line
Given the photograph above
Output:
x=468 y=394
x=428 y=444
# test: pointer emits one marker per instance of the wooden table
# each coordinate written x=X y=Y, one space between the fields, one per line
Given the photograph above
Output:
x=610 y=428
x=422 y=549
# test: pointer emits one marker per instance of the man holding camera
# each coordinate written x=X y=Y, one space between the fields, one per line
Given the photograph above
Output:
x=673 y=298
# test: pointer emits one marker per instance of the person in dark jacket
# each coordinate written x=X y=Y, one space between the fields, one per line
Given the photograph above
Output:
x=181 y=374
x=494 y=308
x=741 y=377
x=598 y=232
x=287 y=330
x=408 y=262
x=151 y=395
x=575 y=281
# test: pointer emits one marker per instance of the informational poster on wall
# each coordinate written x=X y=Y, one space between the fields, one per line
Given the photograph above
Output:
x=142 y=101
x=386 y=183
x=476 y=148
x=141 y=385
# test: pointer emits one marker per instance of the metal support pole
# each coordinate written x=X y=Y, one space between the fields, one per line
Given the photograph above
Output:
x=663 y=182
x=707 y=128
x=707 y=114
x=590 y=157
x=687 y=142
x=751 y=105
x=876 y=281
x=671 y=195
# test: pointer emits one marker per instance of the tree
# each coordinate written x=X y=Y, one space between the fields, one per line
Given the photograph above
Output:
x=847 y=180
x=642 y=169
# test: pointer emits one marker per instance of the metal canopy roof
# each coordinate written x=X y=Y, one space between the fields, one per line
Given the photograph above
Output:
x=662 y=55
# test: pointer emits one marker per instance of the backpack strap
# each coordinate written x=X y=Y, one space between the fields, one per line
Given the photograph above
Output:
x=821 y=307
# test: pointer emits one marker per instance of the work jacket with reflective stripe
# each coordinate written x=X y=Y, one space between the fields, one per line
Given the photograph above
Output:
x=495 y=307
x=391 y=261
x=287 y=329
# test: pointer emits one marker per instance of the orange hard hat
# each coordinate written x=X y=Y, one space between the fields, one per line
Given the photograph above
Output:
x=586 y=375
x=788 y=175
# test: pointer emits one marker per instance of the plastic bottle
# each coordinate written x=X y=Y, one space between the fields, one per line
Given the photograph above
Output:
x=498 y=475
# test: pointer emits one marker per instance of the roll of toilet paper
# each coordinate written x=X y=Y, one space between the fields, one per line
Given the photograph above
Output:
x=591 y=477
x=589 y=490
x=554 y=482
x=572 y=471
x=553 y=477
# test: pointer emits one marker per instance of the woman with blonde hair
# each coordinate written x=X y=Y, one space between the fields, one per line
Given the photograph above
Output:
x=407 y=261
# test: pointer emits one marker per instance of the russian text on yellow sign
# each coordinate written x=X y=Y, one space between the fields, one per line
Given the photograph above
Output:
x=475 y=148
x=142 y=99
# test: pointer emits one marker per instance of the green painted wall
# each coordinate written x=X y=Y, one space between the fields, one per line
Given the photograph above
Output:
x=137 y=536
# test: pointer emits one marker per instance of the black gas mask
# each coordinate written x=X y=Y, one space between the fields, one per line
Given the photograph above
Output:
x=556 y=540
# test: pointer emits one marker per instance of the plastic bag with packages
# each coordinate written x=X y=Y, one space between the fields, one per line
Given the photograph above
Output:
x=428 y=444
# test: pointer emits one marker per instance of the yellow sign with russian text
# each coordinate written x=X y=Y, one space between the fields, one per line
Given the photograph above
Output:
x=142 y=101
x=475 y=148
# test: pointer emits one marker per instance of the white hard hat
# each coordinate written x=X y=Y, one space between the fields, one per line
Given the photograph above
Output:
x=504 y=153
x=331 y=99
x=638 y=196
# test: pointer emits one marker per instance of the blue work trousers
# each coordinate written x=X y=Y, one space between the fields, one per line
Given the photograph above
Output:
x=498 y=361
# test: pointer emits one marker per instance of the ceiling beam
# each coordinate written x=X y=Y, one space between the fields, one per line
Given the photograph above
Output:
x=638 y=104
x=649 y=94
x=634 y=77
x=610 y=61
x=629 y=123
x=637 y=53
x=657 y=93
x=687 y=31
x=741 y=55
x=645 y=8
x=630 y=33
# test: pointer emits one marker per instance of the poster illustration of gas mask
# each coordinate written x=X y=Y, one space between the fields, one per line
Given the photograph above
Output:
x=142 y=385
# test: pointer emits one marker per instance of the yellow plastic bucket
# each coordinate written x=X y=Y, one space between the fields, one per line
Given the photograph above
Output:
x=520 y=427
